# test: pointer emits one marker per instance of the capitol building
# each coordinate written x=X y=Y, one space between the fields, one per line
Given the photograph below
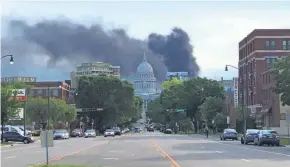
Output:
x=145 y=83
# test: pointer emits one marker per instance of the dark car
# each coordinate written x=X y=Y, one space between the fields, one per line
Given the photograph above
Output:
x=117 y=131
x=249 y=137
x=150 y=129
x=269 y=137
x=168 y=131
x=229 y=134
x=77 y=133
x=16 y=137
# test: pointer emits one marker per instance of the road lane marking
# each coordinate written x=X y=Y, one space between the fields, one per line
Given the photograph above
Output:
x=165 y=154
x=116 y=151
x=110 y=158
x=71 y=153
x=218 y=151
x=16 y=149
x=269 y=152
x=245 y=160
x=10 y=157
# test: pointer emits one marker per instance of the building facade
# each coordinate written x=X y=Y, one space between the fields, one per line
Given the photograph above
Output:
x=178 y=75
x=57 y=89
x=257 y=52
x=93 y=69
x=145 y=83
x=18 y=79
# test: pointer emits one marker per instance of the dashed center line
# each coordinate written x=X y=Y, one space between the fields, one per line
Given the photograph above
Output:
x=10 y=157
x=245 y=160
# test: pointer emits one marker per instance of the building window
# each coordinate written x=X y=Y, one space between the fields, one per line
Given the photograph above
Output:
x=273 y=45
x=55 y=92
x=284 y=43
x=288 y=46
x=39 y=92
x=267 y=46
x=268 y=61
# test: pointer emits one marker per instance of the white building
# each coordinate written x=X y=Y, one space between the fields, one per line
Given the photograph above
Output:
x=145 y=83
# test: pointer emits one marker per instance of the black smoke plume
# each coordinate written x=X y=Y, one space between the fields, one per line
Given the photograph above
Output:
x=176 y=51
x=63 y=44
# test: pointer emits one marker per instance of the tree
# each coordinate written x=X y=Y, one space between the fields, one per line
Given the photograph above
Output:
x=281 y=74
x=59 y=111
x=188 y=95
x=174 y=81
x=115 y=97
x=210 y=108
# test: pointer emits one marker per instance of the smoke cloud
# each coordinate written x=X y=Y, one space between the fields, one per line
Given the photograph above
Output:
x=63 y=44
x=176 y=50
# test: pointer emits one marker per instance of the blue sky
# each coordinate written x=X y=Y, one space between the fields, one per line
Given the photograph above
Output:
x=215 y=28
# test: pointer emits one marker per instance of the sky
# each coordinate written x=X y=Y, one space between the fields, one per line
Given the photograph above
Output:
x=215 y=27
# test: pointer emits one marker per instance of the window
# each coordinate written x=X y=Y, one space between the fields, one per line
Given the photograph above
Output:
x=268 y=62
x=273 y=45
x=284 y=43
x=55 y=92
x=267 y=47
x=39 y=92
x=288 y=46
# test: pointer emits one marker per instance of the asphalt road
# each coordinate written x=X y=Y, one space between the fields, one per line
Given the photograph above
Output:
x=150 y=149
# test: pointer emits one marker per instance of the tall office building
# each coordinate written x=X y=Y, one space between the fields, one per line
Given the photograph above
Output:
x=93 y=69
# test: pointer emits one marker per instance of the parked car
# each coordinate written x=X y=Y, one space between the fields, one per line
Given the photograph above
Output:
x=168 y=131
x=126 y=130
x=117 y=131
x=109 y=132
x=229 y=134
x=76 y=133
x=90 y=133
x=150 y=129
x=269 y=137
x=60 y=134
x=16 y=137
x=249 y=137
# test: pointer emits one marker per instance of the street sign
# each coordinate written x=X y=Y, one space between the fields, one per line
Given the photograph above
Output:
x=18 y=94
x=180 y=110
x=88 y=109
x=288 y=118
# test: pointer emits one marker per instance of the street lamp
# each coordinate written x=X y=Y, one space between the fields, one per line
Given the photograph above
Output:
x=227 y=65
x=11 y=58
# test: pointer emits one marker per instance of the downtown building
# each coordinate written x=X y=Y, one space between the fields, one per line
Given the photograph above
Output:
x=178 y=75
x=257 y=53
x=17 y=79
x=93 y=69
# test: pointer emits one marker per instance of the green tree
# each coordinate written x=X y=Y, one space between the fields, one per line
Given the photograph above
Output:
x=58 y=111
x=210 y=108
x=8 y=106
x=174 y=81
x=281 y=74
x=114 y=96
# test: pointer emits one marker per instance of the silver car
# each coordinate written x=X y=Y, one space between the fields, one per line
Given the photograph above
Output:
x=90 y=133
x=60 y=134
x=109 y=132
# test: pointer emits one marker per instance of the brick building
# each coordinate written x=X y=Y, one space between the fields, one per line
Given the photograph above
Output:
x=257 y=52
x=58 y=90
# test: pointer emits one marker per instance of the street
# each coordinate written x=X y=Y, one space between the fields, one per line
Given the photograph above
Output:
x=152 y=149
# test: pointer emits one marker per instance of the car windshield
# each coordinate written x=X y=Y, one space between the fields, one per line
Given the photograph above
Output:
x=77 y=130
x=230 y=130
x=267 y=132
x=59 y=132
x=109 y=130
x=273 y=132
x=90 y=131
x=252 y=131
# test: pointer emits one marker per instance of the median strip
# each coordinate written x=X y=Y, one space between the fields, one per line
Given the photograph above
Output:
x=164 y=154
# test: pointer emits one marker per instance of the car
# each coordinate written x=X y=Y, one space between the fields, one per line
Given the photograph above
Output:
x=109 y=132
x=90 y=133
x=168 y=131
x=126 y=130
x=76 y=133
x=60 y=134
x=117 y=131
x=269 y=137
x=229 y=134
x=16 y=137
x=249 y=137
x=150 y=129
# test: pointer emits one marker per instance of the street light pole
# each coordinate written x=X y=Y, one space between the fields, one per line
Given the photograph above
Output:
x=48 y=106
x=11 y=58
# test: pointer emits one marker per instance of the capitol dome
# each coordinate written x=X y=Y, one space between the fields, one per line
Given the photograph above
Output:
x=144 y=67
